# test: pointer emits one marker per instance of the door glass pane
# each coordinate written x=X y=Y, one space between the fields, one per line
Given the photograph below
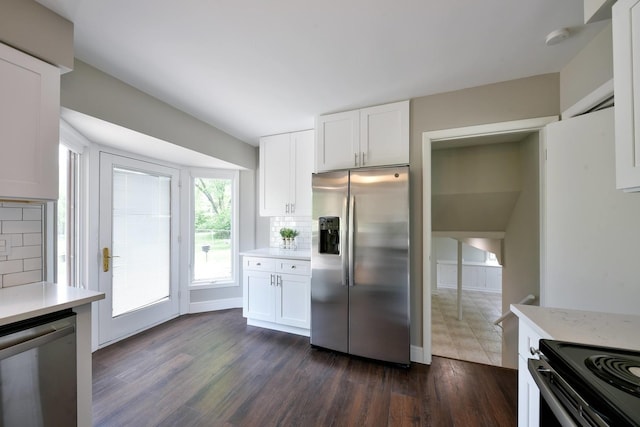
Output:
x=141 y=239
x=212 y=211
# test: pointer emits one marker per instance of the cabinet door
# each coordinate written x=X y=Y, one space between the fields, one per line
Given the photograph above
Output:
x=259 y=294
x=337 y=141
x=626 y=60
x=29 y=126
x=528 y=397
x=293 y=299
x=275 y=162
x=384 y=134
x=302 y=153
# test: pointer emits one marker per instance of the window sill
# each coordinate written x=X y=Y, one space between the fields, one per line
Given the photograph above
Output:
x=213 y=285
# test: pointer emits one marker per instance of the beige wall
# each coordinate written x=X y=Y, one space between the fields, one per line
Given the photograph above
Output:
x=487 y=168
x=536 y=96
x=92 y=92
x=588 y=70
x=36 y=30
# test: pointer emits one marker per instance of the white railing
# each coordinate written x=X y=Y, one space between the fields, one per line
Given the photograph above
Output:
x=526 y=300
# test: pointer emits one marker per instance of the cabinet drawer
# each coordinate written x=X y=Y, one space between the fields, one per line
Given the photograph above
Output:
x=290 y=266
x=259 y=264
x=528 y=340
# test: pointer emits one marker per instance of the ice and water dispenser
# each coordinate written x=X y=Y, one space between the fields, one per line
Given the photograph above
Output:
x=329 y=227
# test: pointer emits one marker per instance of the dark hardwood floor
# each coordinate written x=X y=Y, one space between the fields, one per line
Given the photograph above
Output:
x=212 y=369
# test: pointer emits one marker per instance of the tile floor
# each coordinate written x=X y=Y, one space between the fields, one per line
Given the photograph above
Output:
x=475 y=338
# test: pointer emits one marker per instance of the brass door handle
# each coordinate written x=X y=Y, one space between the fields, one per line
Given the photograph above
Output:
x=105 y=259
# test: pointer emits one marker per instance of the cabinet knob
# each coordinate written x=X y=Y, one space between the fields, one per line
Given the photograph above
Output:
x=293 y=267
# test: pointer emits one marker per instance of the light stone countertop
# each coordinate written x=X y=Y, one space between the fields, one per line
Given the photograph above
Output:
x=300 y=254
x=27 y=301
x=587 y=327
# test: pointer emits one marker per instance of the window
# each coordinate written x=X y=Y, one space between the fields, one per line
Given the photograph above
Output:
x=67 y=265
x=214 y=227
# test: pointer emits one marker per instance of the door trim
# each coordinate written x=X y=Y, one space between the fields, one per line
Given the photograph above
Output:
x=428 y=138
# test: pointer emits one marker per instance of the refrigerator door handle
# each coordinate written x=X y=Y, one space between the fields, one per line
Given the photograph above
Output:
x=351 y=238
x=345 y=239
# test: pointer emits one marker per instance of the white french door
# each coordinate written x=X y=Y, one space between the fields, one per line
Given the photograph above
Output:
x=138 y=245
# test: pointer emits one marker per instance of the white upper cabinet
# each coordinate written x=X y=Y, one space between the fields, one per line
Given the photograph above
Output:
x=29 y=126
x=626 y=63
x=338 y=141
x=374 y=136
x=384 y=135
x=286 y=165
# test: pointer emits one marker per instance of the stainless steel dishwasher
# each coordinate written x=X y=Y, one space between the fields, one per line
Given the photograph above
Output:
x=38 y=379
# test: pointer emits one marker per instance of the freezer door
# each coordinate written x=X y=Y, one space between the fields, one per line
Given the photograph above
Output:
x=379 y=293
x=329 y=290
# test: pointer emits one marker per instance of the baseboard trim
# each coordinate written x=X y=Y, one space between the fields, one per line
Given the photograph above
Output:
x=279 y=327
x=214 y=305
x=417 y=354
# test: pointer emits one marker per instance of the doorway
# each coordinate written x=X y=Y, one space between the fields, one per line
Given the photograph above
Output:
x=466 y=219
x=463 y=328
x=138 y=246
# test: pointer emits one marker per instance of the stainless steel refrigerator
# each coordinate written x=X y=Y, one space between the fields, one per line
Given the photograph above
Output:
x=360 y=263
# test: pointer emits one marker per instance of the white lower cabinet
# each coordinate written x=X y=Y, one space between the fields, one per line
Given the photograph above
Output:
x=528 y=393
x=277 y=294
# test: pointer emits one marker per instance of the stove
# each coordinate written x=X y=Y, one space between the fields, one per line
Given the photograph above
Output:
x=588 y=385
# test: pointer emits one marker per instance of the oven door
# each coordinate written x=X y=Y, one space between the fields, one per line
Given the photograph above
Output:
x=566 y=406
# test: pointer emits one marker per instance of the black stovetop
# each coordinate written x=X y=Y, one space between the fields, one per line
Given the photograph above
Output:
x=608 y=379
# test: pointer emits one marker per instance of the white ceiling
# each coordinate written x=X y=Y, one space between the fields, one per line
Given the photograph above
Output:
x=257 y=67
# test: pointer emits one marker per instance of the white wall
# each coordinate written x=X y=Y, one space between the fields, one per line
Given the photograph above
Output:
x=592 y=230
x=446 y=249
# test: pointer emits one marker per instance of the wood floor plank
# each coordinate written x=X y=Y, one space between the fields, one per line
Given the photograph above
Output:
x=211 y=369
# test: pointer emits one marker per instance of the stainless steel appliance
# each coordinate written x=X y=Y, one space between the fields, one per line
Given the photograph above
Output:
x=360 y=263
x=38 y=372
x=586 y=385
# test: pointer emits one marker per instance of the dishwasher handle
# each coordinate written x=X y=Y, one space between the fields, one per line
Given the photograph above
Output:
x=17 y=346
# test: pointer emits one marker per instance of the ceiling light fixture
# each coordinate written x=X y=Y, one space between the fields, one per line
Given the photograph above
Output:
x=556 y=36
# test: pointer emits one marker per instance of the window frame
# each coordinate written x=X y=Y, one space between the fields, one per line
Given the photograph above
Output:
x=234 y=176
x=76 y=143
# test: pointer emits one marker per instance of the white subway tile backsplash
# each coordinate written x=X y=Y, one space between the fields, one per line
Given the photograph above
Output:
x=32 y=214
x=32 y=264
x=23 y=278
x=301 y=224
x=14 y=266
x=13 y=214
x=31 y=239
x=21 y=227
x=24 y=252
